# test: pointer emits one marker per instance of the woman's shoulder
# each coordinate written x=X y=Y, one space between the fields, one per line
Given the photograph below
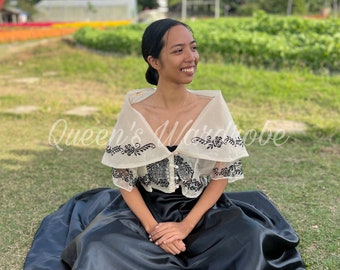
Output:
x=136 y=98
x=138 y=95
x=213 y=97
x=139 y=99
x=207 y=93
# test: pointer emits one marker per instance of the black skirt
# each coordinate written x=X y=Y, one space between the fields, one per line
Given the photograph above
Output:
x=96 y=230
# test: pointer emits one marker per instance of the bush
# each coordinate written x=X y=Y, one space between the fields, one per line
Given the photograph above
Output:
x=272 y=42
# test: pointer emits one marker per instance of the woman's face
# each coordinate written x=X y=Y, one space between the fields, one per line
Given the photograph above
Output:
x=179 y=57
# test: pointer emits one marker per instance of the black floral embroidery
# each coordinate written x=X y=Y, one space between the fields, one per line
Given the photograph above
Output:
x=218 y=141
x=233 y=170
x=183 y=171
x=129 y=149
x=194 y=184
x=124 y=174
x=158 y=173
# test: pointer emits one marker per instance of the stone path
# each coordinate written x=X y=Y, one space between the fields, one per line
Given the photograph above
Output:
x=78 y=111
x=30 y=108
x=83 y=111
x=30 y=80
x=287 y=126
x=22 y=109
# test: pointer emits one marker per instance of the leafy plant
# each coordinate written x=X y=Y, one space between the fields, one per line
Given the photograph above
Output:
x=263 y=40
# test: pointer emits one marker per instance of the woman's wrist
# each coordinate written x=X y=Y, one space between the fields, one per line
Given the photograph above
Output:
x=189 y=225
x=150 y=227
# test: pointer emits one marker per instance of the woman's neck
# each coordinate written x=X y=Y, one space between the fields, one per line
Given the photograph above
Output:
x=170 y=98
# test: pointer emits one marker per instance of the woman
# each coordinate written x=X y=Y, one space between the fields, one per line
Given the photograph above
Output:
x=172 y=153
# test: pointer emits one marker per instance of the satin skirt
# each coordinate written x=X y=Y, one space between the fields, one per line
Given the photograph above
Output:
x=96 y=230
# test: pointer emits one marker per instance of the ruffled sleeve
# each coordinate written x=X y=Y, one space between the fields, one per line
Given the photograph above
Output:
x=125 y=178
x=227 y=170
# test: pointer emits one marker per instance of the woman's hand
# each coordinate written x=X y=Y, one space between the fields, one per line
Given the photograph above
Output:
x=174 y=248
x=168 y=232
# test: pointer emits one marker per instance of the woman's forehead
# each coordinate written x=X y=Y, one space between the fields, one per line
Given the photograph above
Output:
x=178 y=35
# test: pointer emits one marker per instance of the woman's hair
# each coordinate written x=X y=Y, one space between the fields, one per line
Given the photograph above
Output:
x=153 y=43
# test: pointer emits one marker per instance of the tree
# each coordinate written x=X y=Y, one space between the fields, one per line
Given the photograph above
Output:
x=27 y=6
x=147 y=4
x=270 y=6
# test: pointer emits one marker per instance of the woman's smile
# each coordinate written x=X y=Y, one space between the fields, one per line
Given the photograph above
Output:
x=188 y=70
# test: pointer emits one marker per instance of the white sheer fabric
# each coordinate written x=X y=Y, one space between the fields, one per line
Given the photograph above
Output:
x=211 y=149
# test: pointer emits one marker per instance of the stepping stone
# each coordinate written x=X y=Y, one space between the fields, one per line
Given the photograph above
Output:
x=50 y=73
x=23 y=109
x=82 y=111
x=27 y=80
x=285 y=125
x=5 y=76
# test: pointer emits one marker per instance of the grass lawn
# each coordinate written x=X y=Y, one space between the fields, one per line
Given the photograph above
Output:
x=47 y=156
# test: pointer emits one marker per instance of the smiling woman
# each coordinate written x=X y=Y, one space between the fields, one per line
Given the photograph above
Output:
x=171 y=211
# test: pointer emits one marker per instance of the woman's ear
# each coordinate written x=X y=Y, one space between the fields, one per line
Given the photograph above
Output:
x=153 y=62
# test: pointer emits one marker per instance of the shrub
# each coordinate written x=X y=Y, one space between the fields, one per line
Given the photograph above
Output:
x=272 y=42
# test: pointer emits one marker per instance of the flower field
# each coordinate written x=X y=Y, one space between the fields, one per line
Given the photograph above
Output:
x=30 y=31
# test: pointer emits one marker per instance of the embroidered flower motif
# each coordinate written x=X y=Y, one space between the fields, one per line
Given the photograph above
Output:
x=184 y=170
x=157 y=173
x=129 y=149
x=194 y=184
x=218 y=141
x=233 y=170
x=185 y=175
x=124 y=174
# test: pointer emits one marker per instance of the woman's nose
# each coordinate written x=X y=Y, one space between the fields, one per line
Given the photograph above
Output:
x=191 y=55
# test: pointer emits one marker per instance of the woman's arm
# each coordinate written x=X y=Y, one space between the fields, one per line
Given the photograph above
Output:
x=209 y=197
x=137 y=205
x=170 y=231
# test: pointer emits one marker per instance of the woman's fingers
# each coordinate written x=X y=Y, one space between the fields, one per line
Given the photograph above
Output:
x=163 y=228
x=170 y=249
x=167 y=232
x=174 y=248
x=180 y=245
x=168 y=238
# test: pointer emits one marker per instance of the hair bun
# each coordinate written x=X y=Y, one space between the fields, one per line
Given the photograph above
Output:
x=151 y=76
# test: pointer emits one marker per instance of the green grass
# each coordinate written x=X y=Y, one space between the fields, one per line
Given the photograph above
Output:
x=300 y=176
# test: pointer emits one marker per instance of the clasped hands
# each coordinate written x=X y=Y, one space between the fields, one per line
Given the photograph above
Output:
x=169 y=236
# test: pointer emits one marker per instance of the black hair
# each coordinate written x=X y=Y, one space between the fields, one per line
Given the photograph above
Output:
x=153 y=43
